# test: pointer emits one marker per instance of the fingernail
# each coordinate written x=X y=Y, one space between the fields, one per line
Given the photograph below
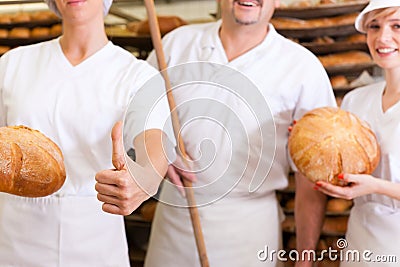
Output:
x=318 y=184
x=294 y=122
x=290 y=128
x=316 y=187
x=340 y=176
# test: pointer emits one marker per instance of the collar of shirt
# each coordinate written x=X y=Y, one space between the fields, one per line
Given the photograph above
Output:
x=212 y=41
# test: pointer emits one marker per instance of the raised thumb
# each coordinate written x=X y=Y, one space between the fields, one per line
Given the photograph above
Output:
x=118 y=159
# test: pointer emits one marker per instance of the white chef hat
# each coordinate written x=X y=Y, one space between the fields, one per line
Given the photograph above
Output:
x=53 y=7
x=373 y=5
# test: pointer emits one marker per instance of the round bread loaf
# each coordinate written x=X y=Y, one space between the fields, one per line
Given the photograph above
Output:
x=56 y=30
x=338 y=205
x=21 y=17
x=328 y=141
x=3 y=33
x=19 y=32
x=40 y=32
x=5 y=18
x=31 y=165
x=339 y=81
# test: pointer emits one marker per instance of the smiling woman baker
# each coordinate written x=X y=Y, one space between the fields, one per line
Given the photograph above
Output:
x=374 y=220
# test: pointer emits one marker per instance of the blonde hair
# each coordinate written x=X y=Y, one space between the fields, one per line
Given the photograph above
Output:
x=379 y=13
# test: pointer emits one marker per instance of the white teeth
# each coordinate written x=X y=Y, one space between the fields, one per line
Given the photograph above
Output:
x=247 y=3
x=386 y=50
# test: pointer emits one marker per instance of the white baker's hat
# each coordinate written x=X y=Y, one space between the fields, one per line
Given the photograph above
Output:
x=373 y=5
x=106 y=6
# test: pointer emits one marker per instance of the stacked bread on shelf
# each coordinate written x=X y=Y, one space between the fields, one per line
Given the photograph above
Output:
x=24 y=28
x=327 y=29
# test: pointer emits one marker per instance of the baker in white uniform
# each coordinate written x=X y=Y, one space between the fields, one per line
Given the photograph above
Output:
x=236 y=164
x=373 y=227
x=74 y=89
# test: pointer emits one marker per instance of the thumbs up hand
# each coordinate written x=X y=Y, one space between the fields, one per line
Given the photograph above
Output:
x=121 y=192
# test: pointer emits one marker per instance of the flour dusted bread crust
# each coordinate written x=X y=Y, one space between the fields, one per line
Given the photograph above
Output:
x=328 y=141
x=31 y=165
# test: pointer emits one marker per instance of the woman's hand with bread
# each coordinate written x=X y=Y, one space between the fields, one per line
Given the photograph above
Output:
x=356 y=185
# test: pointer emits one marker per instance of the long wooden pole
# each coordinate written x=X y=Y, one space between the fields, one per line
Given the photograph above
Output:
x=194 y=213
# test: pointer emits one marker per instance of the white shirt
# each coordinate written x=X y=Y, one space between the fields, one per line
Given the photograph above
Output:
x=223 y=129
x=75 y=106
x=374 y=219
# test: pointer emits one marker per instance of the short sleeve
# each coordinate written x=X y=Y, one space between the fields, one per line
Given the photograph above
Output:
x=148 y=109
x=316 y=91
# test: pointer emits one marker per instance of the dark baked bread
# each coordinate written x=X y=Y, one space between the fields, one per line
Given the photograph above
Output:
x=329 y=141
x=31 y=165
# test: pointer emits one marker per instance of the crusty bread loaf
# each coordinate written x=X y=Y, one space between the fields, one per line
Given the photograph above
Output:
x=41 y=15
x=345 y=58
x=328 y=141
x=31 y=165
x=294 y=23
x=323 y=40
x=335 y=225
x=357 y=38
x=5 y=18
x=3 y=33
x=19 y=32
x=166 y=23
x=338 y=205
x=40 y=32
x=21 y=17
x=56 y=30
x=339 y=81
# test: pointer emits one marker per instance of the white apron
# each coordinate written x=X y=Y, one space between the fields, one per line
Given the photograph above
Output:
x=374 y=223
x=235 y=230
x=373 y=231
x=56 y=240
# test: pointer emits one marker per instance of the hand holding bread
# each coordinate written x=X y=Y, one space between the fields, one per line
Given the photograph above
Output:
x=329 y=141
x=31 y=165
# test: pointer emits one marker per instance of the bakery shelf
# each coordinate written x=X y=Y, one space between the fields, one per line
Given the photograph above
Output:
x=335 y=47
x=30 y=24
x=342 y=30
x=14 y=42
x=349 y=68
x=328 y=213
x=317 y=11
